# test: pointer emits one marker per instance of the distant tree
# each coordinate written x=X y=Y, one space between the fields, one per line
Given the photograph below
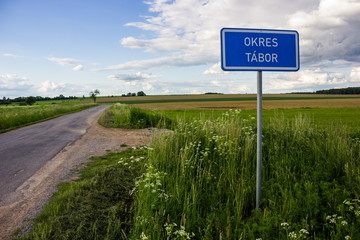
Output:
x=8 y=101
x=349 y=90
x=129 y=94
x=133 y=94
x=30 y=100
x=141 y=93
x=93 y=94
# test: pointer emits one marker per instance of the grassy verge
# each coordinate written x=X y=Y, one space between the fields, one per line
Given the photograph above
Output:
x=96 y=206
x=200 y=182
x=18 y=116
x=123 y=116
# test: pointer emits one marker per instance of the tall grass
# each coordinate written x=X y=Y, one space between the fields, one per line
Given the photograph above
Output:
x=200 y=182
x=16 y=116
x=123 y=116
x=96 y=206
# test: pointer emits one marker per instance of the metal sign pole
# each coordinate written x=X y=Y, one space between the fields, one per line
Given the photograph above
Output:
x=244 y=49
x=259 y=139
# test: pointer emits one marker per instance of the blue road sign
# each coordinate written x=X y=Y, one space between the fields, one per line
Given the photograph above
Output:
x=259 y=50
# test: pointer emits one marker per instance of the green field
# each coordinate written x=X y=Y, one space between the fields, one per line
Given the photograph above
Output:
x=237 y=101
x=347 y=118
x=198 y=182
x=253 y=98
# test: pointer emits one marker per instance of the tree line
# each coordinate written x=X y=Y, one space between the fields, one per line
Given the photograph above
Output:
x=349 y=90
x=31 y=99
x=140 y=93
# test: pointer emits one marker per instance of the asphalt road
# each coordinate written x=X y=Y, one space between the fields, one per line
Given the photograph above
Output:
x=24 y=151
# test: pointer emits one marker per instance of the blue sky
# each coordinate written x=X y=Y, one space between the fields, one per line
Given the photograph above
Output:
x=69 y=47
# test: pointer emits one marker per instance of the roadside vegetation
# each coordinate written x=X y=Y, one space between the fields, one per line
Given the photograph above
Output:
x=123 y=116
x=12 y=117
x=198 y=182
x=96 y=206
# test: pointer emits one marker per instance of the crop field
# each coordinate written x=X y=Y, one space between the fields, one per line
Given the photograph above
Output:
x=237 y=101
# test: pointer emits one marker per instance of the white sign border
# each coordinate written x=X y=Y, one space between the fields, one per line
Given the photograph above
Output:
x=250 y=30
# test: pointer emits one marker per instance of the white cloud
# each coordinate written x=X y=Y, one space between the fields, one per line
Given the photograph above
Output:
x=155 y=45
x=308 y=80
x=10 y=55
x=51 y=89
x=174 y=60
x=139 y=76
x=355 y=75
x=48 y=86
x=215 y=69
x=186 y=33
x=188 y=30
x=12 y=82
x=242 y=88
x=70 y=62
x=78 y=68
x=330 y=32
x=64 y=61
x=137 y=81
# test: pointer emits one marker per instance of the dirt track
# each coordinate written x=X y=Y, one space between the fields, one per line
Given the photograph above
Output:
x=30 y=197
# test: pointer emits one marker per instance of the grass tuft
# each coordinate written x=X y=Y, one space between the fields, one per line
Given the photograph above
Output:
x=124 y=116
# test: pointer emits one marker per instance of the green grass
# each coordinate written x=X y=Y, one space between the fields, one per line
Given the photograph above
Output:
x=348 y=118
x=96 y=206
x=200 y=182
x=123 y=116
x=12 y=117
x=224 y=99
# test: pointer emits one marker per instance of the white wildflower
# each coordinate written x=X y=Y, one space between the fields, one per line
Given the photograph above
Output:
x=143 y=236
x=284 y=224
x=304 y=231
x=344 y=223
x=292 y=235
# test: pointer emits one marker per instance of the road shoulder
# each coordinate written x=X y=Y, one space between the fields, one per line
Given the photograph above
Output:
x=17 y=211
